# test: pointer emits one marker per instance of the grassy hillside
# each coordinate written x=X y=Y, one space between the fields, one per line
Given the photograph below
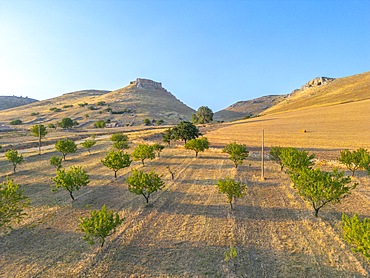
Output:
x=128 y=106
x=342 y=90
x=249 y=108
x=7 y=102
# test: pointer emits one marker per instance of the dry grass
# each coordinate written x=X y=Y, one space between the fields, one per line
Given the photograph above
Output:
x=189 y=227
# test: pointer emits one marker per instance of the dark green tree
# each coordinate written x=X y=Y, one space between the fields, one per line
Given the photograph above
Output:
x=144 y=184
x=185 y=131
x=142 y=152
x=14 y=158
x=12 y=204
x=39 y=131
x=66 y=123
x=71 y=180
x=321 y=188
x=232 y=189
x=197 y=145
x=101 y=224
x=116 y=160
x=237 y=153
x=169 y=135
x=203 y=115
x=65 y=146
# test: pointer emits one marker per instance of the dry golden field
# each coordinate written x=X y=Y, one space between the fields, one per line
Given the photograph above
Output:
x=190 y=226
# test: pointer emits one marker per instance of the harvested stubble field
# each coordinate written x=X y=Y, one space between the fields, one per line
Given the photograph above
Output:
x=189 y=225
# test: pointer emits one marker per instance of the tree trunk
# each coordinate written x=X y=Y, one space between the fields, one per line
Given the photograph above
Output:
x=196 y=154
x=39 y=145
x=64 y=157
x=70 y=194
x=231 y=205
x=115 y=174
x=14 y=166
x=142 y=161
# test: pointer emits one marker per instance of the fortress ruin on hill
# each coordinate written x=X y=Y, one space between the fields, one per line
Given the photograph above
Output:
x=146 y=84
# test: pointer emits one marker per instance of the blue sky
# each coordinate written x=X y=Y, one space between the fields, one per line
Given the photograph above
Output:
x=210 y=53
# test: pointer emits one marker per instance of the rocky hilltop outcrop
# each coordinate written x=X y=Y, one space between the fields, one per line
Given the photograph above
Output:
x=148 y=84
x=7 y=102
x=318 y=81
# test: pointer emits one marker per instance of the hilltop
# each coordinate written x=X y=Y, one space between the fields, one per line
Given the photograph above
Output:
x=128 y=106
x=7 y=102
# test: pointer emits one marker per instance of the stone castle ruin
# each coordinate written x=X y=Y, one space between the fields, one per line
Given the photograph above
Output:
x=318 y=81
x=146 y=84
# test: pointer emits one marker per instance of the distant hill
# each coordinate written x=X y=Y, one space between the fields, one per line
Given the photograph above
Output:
x=7 y=102
x=323 y=91
x=129 y=106
x=248 y=108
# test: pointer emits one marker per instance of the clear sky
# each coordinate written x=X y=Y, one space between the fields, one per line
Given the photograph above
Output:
x=210 y=53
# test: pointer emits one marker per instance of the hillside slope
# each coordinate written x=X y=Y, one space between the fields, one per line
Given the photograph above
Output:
x=7 y=102
x=342 y=90
x=249 y=108
x=127 y=106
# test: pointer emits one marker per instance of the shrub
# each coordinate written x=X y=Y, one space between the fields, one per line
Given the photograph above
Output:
x=99 y=124
x=66 y=123
x=68 y=106
x=99 y=225
x=35 y=113
x=16 y=122
x=147 y=122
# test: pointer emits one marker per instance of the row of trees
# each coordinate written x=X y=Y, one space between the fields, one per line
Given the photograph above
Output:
x=321 y=188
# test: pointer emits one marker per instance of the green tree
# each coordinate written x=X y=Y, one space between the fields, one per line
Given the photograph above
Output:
x=65 y=146
x=168 y=135
x=56 y=161
x=158 y=148
x=142 y=152
x=237 y=153
x=16 y=122
x=101 y=224
x=71 y=180
x=14 y=158
x=203 y=115
x=295 y=159
x=66 y=123
x=232 y=189
x=358 y=159
x=88 y=144
x=357 y=233
x=116 y=160
x=100 y=124
x=12 y=204
x=185 y=131
x=147 y=122
x=51 y=125
x=39 y=131
x=275 y=156
x=119 y=137
x=144 y=184
x=197 y=145
x=321 y=188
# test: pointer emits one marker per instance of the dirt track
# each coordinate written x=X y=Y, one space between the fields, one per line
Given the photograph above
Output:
x=186 y=231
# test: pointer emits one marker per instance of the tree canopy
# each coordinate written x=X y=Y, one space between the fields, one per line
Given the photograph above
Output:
x=185 y=131
x=39 y=131
x=88 y=144
x=197 y=145
x=65 y=146
x=354 y=160
x=295 y=159
x=67 y=123
x=203 y=115
x=116 y=160
x=237 y=152
x=231 y=188
x=142 y=152
x=14 y=158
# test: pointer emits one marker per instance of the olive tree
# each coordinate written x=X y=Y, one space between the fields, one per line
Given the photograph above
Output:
x=145 y=184
x=321 y=188
x=203 y=115
x=71 y=180
x=101 y=224
x=185 y=131
x=237 y=153
x=116 y=160
x=232 y=189
x=354 y=160
x=88 y=144
x=67 y=123
x=197 y=145
x=142 y=152
x=66 y=146
x=15 y=158
x=12 y=204
x=39 y=131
